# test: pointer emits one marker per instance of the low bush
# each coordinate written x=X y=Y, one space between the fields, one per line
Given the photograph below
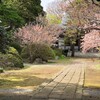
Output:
x=34 y=51
x=58 y=52
x=16 y=46
x=14 y=52
x=3 y=60
x=62 y=57
x=11 y=60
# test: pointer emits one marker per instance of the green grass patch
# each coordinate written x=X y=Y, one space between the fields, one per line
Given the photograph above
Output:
x=29 y=77
x=98 y=66
x=32 y=75
x=64 y=60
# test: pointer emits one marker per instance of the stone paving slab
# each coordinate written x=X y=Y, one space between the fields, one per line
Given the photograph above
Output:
x=5 y=91
x=52 y=84
x=49 y=83
x=15 y=97
x=91 y=94
x=63 y=83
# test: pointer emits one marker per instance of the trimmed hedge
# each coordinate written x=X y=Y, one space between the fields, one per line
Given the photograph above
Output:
x=34 y=51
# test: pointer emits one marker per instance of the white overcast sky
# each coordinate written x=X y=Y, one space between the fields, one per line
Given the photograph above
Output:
x=44 y=3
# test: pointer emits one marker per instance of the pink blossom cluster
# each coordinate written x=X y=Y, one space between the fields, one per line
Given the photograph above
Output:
x=37 y=34
x=91 y=40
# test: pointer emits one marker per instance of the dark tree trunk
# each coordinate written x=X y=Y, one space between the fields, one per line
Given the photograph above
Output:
x=79 y=44
x=72 y=50
x=30 y=53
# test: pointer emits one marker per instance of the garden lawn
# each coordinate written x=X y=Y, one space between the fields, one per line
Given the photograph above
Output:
x=92 y=75
x=31 y=76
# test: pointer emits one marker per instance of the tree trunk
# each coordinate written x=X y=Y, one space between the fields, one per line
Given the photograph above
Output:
x=79 y=43
x=30 y=52
x=72 y=50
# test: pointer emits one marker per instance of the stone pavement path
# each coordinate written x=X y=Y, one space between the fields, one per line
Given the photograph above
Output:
x=66 y=85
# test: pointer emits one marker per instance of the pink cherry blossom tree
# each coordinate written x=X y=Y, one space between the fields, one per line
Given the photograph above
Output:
x=85 y=15
x=92 y=37
x=30 y=34
x=37 y=34
x=91 y=40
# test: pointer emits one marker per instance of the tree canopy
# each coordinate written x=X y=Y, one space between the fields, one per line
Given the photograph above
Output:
x=18 y=12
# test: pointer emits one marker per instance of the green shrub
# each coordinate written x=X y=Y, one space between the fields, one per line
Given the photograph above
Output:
x=35 y=51
x=14 y=52
x=11 y=59
x=25 y=53
x=62 y=57
x=16 y=46
x=15 y=61
x=58 y=52
x=3 y=60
